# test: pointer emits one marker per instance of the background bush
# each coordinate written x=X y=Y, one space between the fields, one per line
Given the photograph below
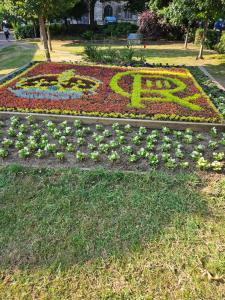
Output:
x=124 y=56
x=154 y=27
x=211 y=38
x=61 y=29
x=220 y=47
x=119 y=29
x=25 y=31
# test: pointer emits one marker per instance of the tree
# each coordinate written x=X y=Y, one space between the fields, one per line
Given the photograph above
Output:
x=136 y=5
x=158 y=5
x=208 y=10
x=40 y=9
x=77 y=11
x=2 y=13
x=149 y=24
x=182 y=12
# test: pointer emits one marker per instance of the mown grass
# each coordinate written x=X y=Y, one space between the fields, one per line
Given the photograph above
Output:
x=15 y=56
x=165 y=53
x=70 y=234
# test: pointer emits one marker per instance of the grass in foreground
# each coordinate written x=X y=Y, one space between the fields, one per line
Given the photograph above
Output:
x=69 y=234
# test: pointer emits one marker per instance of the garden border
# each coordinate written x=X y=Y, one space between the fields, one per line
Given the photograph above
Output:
x=154 y=124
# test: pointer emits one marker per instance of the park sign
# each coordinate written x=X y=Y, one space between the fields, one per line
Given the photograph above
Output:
x=103 y=91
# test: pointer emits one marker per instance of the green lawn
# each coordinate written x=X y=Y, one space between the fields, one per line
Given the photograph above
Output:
x=165 y=53
x=15 y=56
x=69 y=234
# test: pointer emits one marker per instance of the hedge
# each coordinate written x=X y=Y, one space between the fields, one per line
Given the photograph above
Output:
x=220 y=47
x=211 y=38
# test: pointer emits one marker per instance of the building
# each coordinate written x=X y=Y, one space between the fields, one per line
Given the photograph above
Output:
x=109 y=9
x=113 y=8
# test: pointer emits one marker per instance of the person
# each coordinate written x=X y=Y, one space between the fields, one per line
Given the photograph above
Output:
x=4 y=24
x=218 y=27
x=6 y=32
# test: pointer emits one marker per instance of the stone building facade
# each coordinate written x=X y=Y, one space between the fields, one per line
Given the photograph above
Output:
x=113 y=8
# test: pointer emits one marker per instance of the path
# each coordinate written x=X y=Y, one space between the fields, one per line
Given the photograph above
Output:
x=220 y=85
x=3 y=42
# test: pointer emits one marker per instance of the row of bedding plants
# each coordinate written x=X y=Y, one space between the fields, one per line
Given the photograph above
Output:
x=71 y=143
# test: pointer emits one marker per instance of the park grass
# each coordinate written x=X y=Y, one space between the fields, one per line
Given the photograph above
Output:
x=17 y=55
x=165 y=53
x=70 y=234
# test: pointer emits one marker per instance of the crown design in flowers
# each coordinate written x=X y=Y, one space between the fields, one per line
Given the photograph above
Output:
x=64 y=86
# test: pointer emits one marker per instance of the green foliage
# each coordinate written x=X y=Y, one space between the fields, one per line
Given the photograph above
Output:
x=210 y=9
x=24 y=32
x=220 y=47
x=29 y=9
x=92 y=52
x=136 y=6
x=88 y=35
x=119 y=29
x=59 y=29
x=157 y=5
x=109 y=55
x=210 y=40
x=181 y=12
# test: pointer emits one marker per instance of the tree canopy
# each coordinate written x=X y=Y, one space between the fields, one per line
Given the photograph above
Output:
x=36 y=8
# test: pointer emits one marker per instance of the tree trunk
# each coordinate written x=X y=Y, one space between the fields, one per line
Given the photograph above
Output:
x=35 y=31
x=45 y=40
x=49 y=38
x=186 y=37
x=91 y=8
x=200 y=55
x=66 y=23
x=41 y=37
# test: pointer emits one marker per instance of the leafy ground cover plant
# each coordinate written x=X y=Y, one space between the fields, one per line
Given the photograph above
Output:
x=170 y=93
x=117 y=146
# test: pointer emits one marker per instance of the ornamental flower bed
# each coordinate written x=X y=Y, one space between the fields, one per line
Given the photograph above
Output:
x=146 y=93
x=70 y=143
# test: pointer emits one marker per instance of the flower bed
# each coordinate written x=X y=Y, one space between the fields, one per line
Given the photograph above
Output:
x=145 y=93
x=46 y=143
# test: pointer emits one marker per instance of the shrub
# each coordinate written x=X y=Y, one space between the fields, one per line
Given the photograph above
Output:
x=88 y=35
x=126 y=55
x=220 y=47
x=211 y=38
x=149 y=24
x=119 y=29
x=24 y=32
x=59 y=29
x=92 y=52
x=154 y=27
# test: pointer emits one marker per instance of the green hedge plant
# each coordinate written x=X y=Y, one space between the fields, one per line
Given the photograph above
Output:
x=211 y=38
x=220 y=47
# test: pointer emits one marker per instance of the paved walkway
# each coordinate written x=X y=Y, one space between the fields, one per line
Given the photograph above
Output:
x=3 y=41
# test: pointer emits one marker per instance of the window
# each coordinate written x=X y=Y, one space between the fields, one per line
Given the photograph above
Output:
x=127 y=14
x=108 y=11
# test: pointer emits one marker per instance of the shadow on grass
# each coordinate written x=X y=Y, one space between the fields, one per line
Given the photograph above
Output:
x=15 y=56
x=52 y=217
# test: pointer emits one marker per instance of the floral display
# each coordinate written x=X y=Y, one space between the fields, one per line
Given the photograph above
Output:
x=46 y=142
x=64 y=86
x=146 y=93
